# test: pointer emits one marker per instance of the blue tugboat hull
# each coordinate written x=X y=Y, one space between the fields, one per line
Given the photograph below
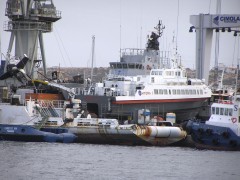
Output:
x=30 y=134
x=213 y=137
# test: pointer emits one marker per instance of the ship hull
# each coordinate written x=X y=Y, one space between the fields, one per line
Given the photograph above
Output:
x=105 y=106
x=213 y=137
x=123 y=135
x=14 y=114
x=95 y=135
x=27 y=133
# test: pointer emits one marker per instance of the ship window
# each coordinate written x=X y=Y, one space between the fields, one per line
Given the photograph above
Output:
x=197 y=91
x=226 y=112
x=194 y=91
x=165 y=91
x=186 y=91
x=114 y=66
x=174 y=91
x=125 y=66
x=178 y=91
x=155 y=91
x=213 y=110
x=154 y=73
x=182 y=91
x=201 y=91
x=169 y=91
x=131 y=66
x=160 y=91
x=152 y=80
x=230 y=112
x=177 y=73
x=221 y=111
x=217 y=110
x=119 y=65
x=184 y=74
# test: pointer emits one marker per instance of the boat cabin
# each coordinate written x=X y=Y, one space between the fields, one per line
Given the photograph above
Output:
x=225 y=114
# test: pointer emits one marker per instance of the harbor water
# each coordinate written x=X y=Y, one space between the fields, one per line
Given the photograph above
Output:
x=21 y=160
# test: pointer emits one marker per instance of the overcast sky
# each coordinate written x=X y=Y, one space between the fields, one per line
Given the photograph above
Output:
x=71 y=40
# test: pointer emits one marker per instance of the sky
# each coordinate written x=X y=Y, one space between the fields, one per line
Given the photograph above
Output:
x=125 y=24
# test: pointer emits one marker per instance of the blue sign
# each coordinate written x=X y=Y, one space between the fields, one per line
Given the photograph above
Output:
x=226 y=19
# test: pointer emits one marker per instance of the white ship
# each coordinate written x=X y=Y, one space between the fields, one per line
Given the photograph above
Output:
x=146 y=79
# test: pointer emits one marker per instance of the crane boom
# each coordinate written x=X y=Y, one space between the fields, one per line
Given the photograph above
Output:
x=71 y=91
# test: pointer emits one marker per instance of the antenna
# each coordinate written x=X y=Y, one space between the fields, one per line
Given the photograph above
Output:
x=218 y=11
x=159 y=28
x=120 y=43
x=177 y=28
x=120 y=53
x=93 y=46
x=238 y=59
x=236 y=80
x=1 y=46
x=141 y=37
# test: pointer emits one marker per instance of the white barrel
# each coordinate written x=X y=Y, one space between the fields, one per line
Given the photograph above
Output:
x=164 y=131
x=176 y=132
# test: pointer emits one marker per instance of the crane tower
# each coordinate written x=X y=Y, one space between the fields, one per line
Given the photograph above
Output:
x=28 y=20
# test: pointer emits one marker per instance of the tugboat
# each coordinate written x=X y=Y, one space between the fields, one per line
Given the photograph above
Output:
x=221 y=131
x=26 y=133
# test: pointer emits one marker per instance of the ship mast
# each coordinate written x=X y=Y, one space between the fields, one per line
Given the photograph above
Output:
x=218 y=11
x=93 y=48
x=153 y=43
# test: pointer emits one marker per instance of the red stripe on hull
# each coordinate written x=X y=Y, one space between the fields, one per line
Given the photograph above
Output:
x=158 y=101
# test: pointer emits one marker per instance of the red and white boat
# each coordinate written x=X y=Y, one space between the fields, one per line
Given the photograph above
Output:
x=163 y=90
x=146 y=79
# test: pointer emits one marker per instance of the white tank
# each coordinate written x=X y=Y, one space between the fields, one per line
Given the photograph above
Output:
x=164 y=131
x=143 y=116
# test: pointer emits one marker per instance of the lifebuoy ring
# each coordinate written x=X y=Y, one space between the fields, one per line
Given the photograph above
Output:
x=226 y=134
x=200 y=131
x=209 y=132
x=233 y=143
x=234 y=120
x=215 y=141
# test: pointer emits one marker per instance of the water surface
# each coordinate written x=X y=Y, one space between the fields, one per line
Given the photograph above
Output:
x=20 y=160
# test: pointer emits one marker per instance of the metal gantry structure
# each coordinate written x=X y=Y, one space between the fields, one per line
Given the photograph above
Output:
x=205 y=24
x=28 y=20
